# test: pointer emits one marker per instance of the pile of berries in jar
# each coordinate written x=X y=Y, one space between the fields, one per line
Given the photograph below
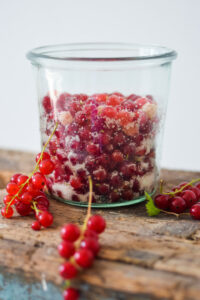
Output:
x=107 y=136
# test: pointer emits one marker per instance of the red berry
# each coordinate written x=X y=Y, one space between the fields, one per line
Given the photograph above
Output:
x=196 y=190
x=100 y=174
x=46 y=166
x=22 y=179
x=14 y=177
x=103 y=189
x=93 y=148
x=70 y=294
x=109 y=112
x=45 y=155
x=124 y=117
x=127 y=194
x=178 y=205
x=47 y=104
x=162 y=201
x=117 y=156
x=198 y=185
x=7 y=212
x=70 y=232
x=45 y=219
x=115 y=196
x=75 y=182
x=189 y=197
x=90 y=234
x=38 y=180
x=41 y=200
x=12 y=188
x=23 y=209
x=195 y=211
x=66 y=249
x=96 y=223
x=67 y=270
x=84 y=258
x=114 y=100
x=30 y=188
x=91 y=244
x=7 y=199
x=36 y=225
x=26 y=197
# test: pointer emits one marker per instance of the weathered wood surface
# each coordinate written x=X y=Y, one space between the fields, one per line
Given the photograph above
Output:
x=141 y=257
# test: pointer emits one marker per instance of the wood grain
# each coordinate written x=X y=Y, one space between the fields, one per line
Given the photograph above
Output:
x=141 y=257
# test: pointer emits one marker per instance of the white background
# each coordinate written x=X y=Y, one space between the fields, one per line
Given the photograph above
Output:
x=25 y=24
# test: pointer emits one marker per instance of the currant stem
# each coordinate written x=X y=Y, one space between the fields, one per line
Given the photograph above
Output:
x=161 y=186
x=182 y=188
x=34 y=207
x=35 y=169
x=88 y=212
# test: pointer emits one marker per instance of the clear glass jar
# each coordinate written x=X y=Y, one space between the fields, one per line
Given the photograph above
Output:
x=110 y=103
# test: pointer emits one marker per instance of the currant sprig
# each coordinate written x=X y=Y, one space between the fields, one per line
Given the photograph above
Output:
x=26 y=192
x=79 y=247
x=176 y=202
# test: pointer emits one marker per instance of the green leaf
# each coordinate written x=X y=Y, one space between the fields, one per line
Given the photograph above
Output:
x=152 y=210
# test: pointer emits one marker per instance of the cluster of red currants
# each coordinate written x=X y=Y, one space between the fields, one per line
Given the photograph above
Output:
x=79 y=247
x=182 y=197
x=26 y=193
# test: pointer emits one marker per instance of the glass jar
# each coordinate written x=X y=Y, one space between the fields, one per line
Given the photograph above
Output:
x=110 y=104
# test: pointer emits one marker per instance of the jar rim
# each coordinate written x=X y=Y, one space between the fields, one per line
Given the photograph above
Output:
x=101 y=52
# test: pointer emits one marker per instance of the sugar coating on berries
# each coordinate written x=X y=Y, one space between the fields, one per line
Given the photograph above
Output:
x=100 y=134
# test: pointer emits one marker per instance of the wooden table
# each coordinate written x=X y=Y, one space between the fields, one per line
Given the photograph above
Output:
x=141 y=258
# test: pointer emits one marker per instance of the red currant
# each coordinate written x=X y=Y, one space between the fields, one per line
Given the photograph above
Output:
x=96 y=223
x=38 y=180
x=12 y=188
x=70 y=294
x=75 y=182
x=117 y=156
x=22 y=179
x=7 y=199
x=26 y=198
x=90 y=234
x=66 y=249
x=36 y=225
x=15 y=177
x=67 y=270
x=195 y=211
x=189 y=197
x=45 y=155
x=196 y=190
x=45 y=219
x=7 y=212
x=178 y=205
x=23 y=209
x=70 y=232
x=46 y=166
x=92 y=244
x=93 y=149
x=100 y=174
x=162 y=201
x=84 y=258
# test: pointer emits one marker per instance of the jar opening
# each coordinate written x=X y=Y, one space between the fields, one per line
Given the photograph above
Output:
x=101 y=52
